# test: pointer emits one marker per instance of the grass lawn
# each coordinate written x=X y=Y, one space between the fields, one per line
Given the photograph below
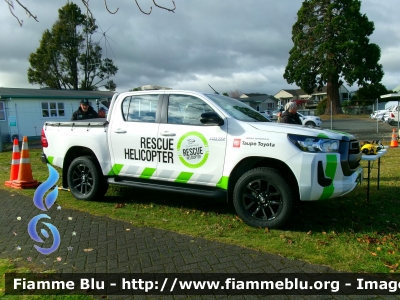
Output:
x=345 y=233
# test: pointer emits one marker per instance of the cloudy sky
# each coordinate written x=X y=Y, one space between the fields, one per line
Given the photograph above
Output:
x=229 y=44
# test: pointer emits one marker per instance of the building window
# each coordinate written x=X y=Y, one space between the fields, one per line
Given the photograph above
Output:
x=53 y=109
x=2 y=111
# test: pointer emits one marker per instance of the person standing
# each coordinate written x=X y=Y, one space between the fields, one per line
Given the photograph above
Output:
x=85 y=111
x=290 y=114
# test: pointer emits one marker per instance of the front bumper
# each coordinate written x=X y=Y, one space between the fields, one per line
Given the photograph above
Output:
x=320 y=176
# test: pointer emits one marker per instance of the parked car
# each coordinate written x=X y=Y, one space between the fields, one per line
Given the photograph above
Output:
x=310 y=120
x=275 y=114
x=379 y=114
x=386 y=117
x=266 y=113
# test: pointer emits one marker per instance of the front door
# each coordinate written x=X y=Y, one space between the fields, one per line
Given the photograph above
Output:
x=195 y=153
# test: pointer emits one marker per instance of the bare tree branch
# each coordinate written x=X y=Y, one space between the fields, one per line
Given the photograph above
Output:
x=28 y=13
x=89 y=12
x=159 y=6
x=11 y=7
x=171 y=10
x=86 y=4
x=105 y=3
x=151 y=8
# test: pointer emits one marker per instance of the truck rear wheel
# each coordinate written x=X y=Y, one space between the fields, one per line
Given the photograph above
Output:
x=263 y=198
x=85 y=179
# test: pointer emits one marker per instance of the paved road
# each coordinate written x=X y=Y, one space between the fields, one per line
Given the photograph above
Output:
x=91 y=244
x=365 y=129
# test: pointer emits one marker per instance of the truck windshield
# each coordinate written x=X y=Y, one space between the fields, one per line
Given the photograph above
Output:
x=237 y=109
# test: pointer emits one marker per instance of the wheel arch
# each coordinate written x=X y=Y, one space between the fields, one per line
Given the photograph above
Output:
x=310 y=123
x=255 y=162
x=71 y=154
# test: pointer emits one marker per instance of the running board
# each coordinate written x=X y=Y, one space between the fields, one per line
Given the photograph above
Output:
x=198 y=190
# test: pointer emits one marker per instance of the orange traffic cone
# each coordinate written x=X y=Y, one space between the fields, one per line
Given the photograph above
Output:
x=394 y=143
x=16 y=155
x=25 y=179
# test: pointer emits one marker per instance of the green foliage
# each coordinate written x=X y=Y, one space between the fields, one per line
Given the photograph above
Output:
x=347 y=233
x=331 y=45
x=346 y=103
x=321 y=107
x=67 y=58
x=372 y=92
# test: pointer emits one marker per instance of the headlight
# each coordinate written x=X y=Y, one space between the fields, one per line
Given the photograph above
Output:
x=314 y=144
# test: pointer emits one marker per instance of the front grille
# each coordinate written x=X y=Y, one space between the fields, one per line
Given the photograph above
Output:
x=350 y=156
x=354 y=147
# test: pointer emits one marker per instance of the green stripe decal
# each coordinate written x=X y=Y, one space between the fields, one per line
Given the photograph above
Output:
x=330 y=171
x=184 y=177
x=223 y=182
x=193 y=166
x=50 y=159
x=115 y=169
x=323 y=136
x=147 y=173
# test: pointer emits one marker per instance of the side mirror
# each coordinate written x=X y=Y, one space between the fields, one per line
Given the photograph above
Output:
x=211 y=118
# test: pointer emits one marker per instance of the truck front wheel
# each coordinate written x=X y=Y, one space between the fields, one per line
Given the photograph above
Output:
x=263 y=198
x=310 y=123
x=85 y=180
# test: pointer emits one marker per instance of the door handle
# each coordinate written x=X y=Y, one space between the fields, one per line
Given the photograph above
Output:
x=167 y=133
x=119 y=130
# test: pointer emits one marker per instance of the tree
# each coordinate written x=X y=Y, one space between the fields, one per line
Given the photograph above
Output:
x=67 y=58
x=331 y=45
x=371 y=92
x=86 y=3
x=235 y=93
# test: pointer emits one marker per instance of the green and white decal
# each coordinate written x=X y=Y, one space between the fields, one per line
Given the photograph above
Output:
x=330 y=171
x=193 y=149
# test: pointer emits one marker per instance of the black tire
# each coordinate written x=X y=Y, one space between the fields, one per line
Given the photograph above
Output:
x=310 y=123
x=85 y=180
x=263 y=198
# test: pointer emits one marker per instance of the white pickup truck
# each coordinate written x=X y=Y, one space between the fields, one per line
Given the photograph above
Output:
x=204 y=144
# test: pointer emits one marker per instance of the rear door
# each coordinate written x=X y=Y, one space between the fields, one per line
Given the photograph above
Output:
x=192 y=152
x=133 y=135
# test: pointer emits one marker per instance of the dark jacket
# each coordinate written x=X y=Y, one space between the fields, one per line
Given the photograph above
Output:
x=290 y=118
x=80 y=115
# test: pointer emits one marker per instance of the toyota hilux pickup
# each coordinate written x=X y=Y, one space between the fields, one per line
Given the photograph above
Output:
x=203 y=144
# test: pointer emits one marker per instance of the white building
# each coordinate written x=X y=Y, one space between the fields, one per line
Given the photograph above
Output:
x=24 y=111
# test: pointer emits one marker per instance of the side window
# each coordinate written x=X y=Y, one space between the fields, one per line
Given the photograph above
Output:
x=53 y=109
x=185 y=109
x=140 y=108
